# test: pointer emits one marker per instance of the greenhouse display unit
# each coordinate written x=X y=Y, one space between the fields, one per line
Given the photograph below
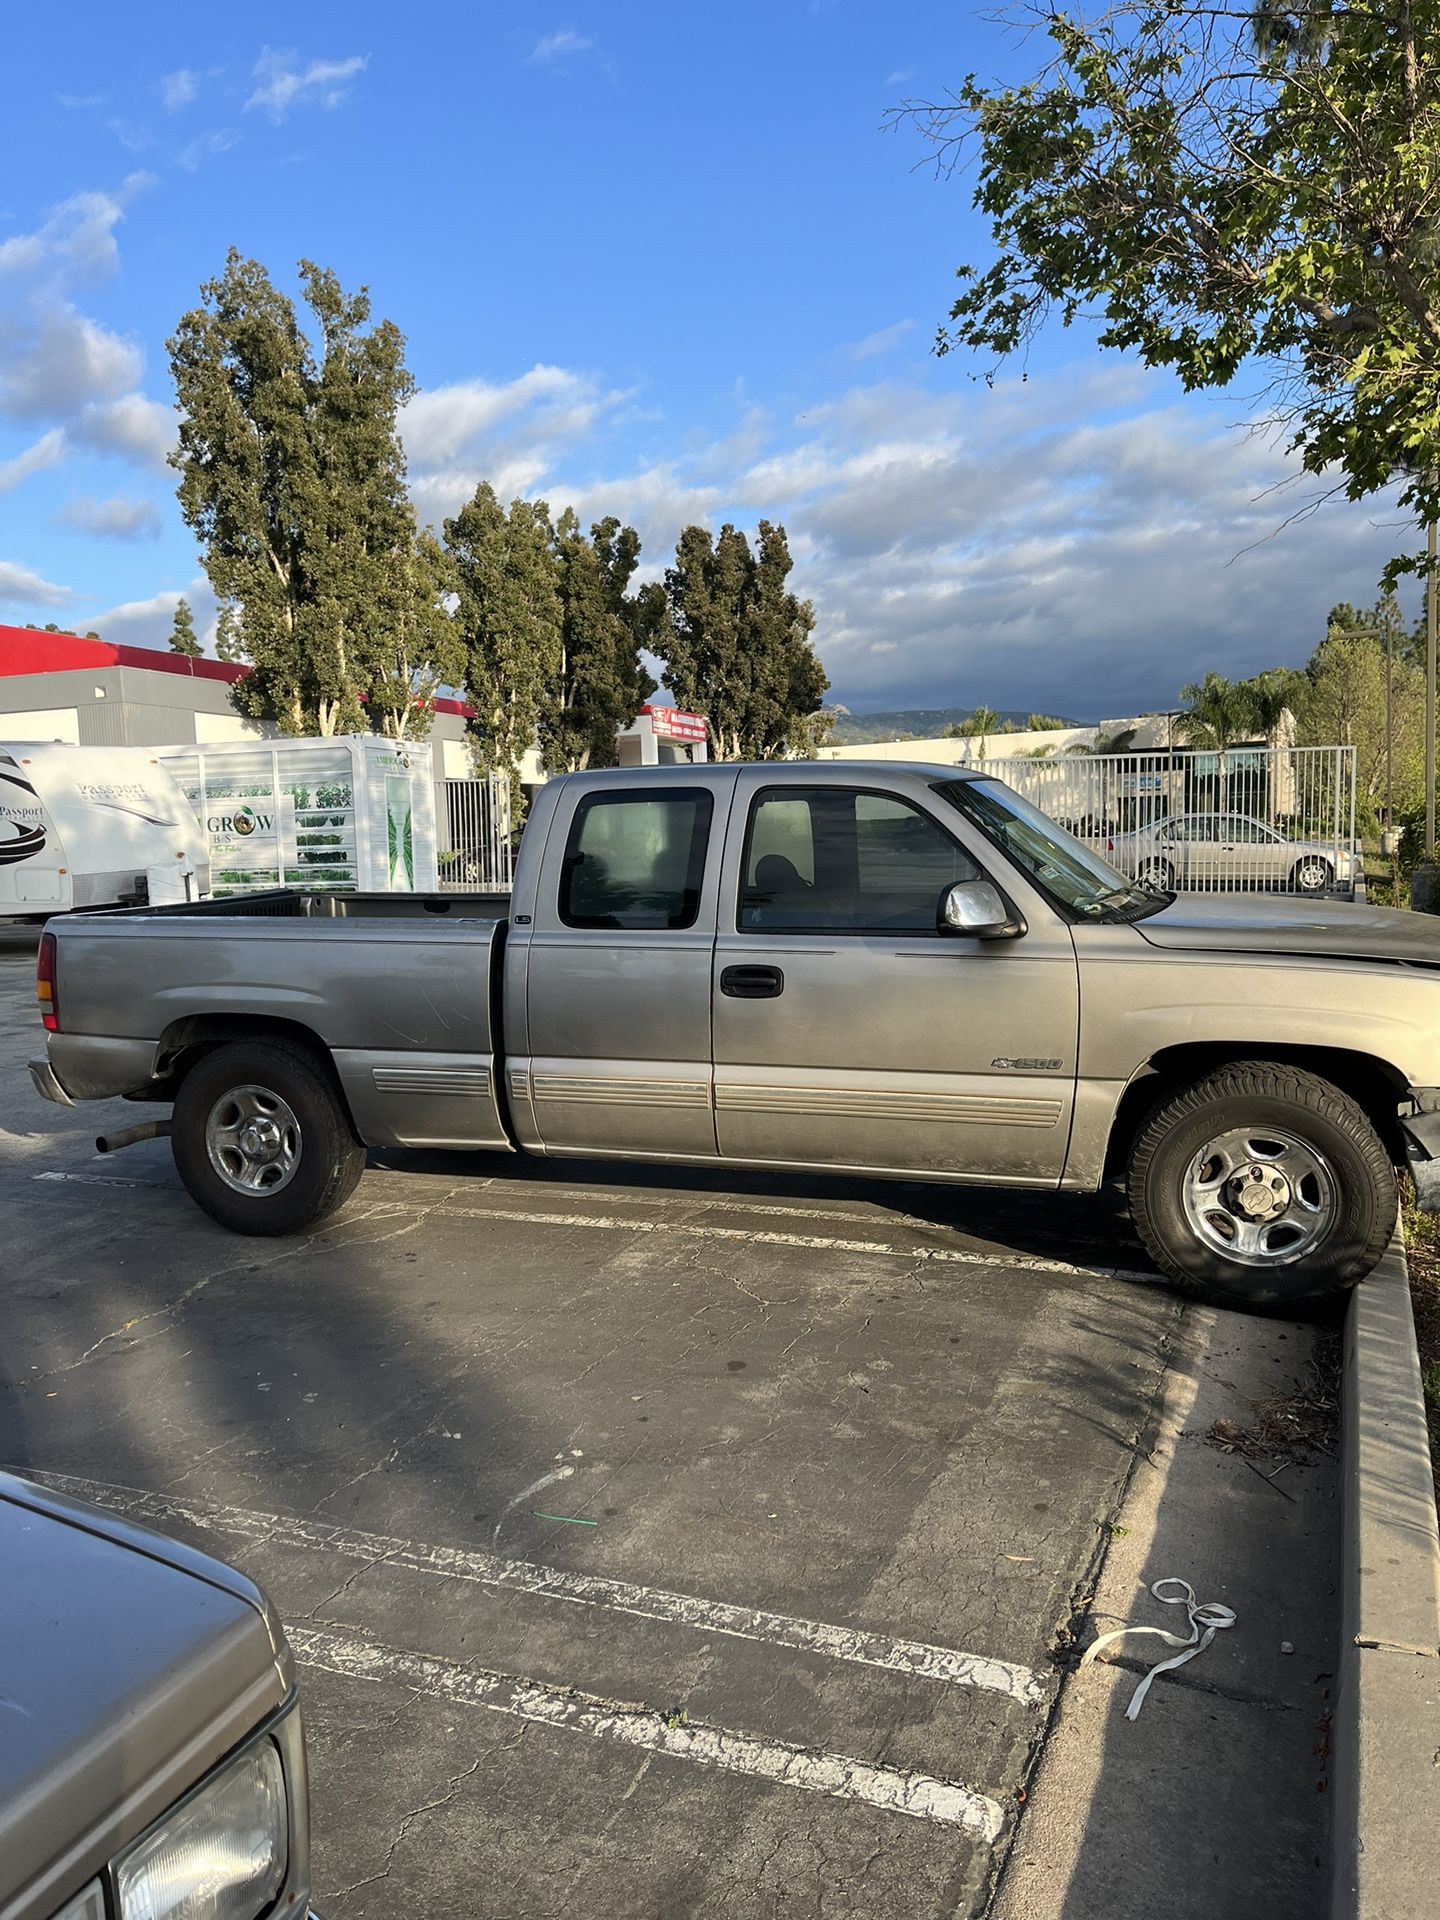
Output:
x=354 y=813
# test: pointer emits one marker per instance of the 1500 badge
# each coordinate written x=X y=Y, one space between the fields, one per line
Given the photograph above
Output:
x=1027 y=1066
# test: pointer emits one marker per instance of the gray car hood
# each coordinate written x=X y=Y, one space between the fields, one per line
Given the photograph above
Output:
x=1257 y=923
x=129 y=1665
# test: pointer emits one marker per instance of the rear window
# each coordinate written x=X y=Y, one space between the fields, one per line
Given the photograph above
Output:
x=636 y=860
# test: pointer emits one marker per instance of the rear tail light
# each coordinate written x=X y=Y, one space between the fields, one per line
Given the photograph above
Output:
x=45 y=988
x=1109 y=846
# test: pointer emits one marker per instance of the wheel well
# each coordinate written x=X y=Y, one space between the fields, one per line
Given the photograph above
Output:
x=1375 y=1086
x=186 y=1041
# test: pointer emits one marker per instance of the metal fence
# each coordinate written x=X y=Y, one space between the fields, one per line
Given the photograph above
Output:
x=1251 y=820
x=475 y=854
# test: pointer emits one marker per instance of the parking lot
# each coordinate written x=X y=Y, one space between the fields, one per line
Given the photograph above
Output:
x=698 y=1544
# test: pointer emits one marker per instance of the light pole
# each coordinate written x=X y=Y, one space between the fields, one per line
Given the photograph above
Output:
x=1430 y=696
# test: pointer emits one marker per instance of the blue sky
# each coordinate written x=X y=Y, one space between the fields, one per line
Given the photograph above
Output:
x=650 y=259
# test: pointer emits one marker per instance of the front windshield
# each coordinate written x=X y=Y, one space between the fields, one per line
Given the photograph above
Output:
x=1061 y=866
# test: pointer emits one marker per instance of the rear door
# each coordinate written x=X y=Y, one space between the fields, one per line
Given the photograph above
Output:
x=848 y=1030
x=616 y=971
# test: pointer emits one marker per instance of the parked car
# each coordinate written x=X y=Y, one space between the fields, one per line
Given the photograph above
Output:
x=1229 y=851
x=152 y=1765
x=899 y=970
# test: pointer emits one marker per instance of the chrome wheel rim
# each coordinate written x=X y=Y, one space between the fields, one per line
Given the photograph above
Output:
x=253 y=1140
x=1261 y=1196
x=1313 y=876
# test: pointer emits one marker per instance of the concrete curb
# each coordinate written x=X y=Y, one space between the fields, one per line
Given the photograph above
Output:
x=1386 y=1730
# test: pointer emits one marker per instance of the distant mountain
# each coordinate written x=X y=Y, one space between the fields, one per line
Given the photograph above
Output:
x=912 y=723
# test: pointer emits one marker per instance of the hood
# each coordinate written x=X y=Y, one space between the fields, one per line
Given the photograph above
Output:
x=128 y=1666
x=1272 y=923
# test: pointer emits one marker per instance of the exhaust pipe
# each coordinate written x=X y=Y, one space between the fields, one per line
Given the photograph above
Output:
x=130 y=1136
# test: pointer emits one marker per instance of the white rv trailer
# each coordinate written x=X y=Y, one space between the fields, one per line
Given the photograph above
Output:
x=93 y=827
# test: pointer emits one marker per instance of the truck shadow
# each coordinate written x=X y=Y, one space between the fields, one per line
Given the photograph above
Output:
x=1089 y=1228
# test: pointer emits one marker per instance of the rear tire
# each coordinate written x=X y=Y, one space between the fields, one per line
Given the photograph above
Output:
x=1159 y=873
x=261 y=1139
x=1262 y=1183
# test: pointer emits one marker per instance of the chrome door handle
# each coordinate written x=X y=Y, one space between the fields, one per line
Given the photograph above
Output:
x=752 y=983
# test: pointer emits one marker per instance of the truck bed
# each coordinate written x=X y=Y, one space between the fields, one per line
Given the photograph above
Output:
x=405 y=1005
x=301 y=903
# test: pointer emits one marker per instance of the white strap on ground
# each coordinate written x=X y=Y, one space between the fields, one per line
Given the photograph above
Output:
x=1206 y=1620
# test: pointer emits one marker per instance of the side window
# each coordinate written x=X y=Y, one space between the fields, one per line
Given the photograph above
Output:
x=834 y=860
x=1240 y=827
x=1198 y=827
x=636 y=860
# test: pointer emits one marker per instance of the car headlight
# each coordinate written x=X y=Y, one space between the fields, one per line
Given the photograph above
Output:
x=220 y=1856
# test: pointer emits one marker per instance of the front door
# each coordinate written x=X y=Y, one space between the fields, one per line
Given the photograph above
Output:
x=617 y=974
x=850 y=1031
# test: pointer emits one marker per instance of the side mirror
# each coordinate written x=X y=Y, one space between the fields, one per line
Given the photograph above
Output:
x=976 y=908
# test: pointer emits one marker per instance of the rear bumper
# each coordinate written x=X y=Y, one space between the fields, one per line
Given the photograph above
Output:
x=47 y=1084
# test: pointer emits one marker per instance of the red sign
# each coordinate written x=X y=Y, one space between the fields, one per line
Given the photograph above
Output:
x=669 y=723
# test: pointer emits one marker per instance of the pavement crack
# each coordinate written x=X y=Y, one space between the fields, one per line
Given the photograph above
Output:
x=407 y=1820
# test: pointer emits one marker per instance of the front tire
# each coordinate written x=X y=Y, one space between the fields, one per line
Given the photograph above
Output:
x=1262 y=1183
x=1312 y=875
x=261 y=1140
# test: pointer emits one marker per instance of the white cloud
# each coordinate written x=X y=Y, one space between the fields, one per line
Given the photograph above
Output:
x=114 y=519
x=206 y=147
x=564 y=43
x=77 y=241
x=134 y=137
x=48 y=451
x=283 y=81
x=55 y=361
x=133 y=427
x=1079 y=543
x=20 y=587
x=882 y=342
x=147 y=623
x=511 y=433
x=178 y=89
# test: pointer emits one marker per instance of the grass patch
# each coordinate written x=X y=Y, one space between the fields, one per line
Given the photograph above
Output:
x=1422 y=1251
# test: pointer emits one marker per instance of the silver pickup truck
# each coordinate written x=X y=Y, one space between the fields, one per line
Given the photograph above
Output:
x=896 y=970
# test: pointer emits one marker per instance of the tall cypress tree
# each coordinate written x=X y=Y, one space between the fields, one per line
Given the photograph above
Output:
x=292 y=477
x=183 y=638
x=510 y=622
x=738 y=646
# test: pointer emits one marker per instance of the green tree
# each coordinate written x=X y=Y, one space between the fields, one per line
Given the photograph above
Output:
x=1045 y=723
x=1341 y=702
x=183 y=638
x=602 y=680
x=978 y=725
x=229 y=647
x=1221 y=714
x=292 y=477
x=422 y=649
x=738 y=643
x=642 y=613
x=510 y=622
x=1223 y=187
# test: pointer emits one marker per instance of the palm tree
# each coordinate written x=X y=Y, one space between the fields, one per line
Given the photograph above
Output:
x=1220 y=715
x=982 y=721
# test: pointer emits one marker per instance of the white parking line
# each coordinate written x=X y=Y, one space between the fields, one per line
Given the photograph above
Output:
x=810 y=1770
x=765 y=1237
x=698 y=1230
x=944 y=1664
